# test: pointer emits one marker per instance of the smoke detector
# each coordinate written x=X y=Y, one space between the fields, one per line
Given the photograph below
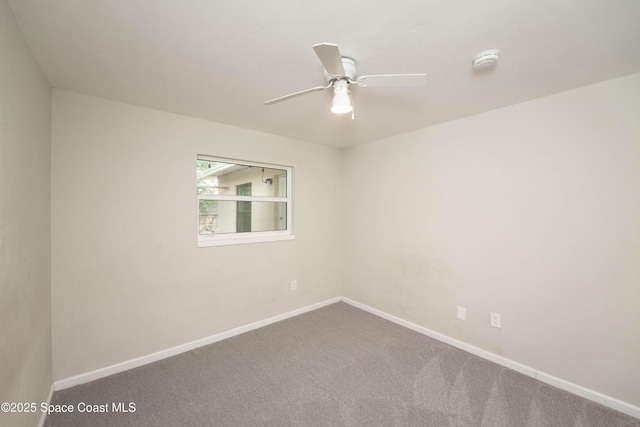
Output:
x=486 y=59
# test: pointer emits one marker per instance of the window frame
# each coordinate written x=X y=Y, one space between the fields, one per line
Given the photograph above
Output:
x=223 y=239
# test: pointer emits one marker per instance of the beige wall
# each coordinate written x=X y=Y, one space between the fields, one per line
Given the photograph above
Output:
x=127 y=277
x=531 y=211
x=25 y=325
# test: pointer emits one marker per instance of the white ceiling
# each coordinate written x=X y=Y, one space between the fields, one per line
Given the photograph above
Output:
x=220 y=60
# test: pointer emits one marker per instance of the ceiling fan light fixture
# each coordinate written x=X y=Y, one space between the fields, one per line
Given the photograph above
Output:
x=341 y=100
x=341 y=103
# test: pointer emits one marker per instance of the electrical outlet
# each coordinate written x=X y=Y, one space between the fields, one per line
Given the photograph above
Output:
x=495 y=320
x=294 y=285
x=462 y=313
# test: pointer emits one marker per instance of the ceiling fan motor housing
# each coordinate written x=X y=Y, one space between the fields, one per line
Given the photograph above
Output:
x=349 y=70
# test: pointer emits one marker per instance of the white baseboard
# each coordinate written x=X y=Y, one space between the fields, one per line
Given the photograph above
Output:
x=446 y=339
x=600 y=398
x=578 y=390
x=603 y=399
x=163 y=354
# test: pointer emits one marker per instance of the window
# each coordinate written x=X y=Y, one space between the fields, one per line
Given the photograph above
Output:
x=243 y=209
x=242 y=202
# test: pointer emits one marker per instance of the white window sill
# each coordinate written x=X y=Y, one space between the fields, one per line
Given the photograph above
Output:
x=221 y=240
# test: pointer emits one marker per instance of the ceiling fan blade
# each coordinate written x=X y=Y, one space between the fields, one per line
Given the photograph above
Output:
x=293 y=95
x=329 y=55
x=392 y=80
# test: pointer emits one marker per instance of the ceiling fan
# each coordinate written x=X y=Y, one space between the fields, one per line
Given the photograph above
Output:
x=340 y=72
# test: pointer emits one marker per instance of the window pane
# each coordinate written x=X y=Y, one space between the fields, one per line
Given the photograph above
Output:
x=224 y=178
x=243 y=189
x=227 y=216
x=208 y=216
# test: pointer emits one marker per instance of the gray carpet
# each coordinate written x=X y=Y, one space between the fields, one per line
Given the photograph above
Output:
x=334 y=366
